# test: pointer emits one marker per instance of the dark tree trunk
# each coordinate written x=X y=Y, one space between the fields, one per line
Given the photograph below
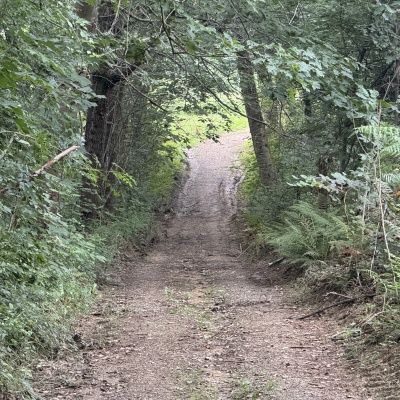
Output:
x=307 y=105
x=254 y=115
x=85 y=11
x=101 y=132
x=100 y=125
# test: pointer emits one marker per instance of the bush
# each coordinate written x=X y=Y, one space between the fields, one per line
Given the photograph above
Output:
x=46 y=279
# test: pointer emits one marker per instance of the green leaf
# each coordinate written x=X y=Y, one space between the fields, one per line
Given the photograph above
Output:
x=190 y=46
x=21 y=124
x=5 y=80
x=24 y=142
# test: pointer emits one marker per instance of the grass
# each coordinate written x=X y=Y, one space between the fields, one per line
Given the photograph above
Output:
x=248 y=389
x=179 y=303
x=195 y=387
x=214 y=294
x=196 y=125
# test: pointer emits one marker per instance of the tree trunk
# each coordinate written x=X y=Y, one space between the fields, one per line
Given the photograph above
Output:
x=323 y=194
x=100 y=133
x=396 y=89
x=101 y=122
x=85 y=11
x=348 y=141
x=307 y=105
x=254 y=115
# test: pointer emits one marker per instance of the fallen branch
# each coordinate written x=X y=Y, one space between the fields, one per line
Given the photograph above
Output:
x=47 y=165
x=54 y=160
x=278 y=261
x=337 y=294
x=339 y=303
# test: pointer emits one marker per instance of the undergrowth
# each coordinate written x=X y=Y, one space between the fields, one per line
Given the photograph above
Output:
x=47 y=278
x=260 y=204
x=307 y=235
x=348 y=248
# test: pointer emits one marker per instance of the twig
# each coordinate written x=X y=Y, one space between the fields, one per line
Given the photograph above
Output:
x=47 y=165
x=295 y=12
x=338 y=294
x=116 y=17
x=351 y=300
x=278 y=261
x=54 y=160
x=243 y=251
x=372 y=317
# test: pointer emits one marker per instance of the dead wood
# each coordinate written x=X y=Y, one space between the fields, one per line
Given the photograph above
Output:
x=54 y=160
x=278 y=261
x=339 y=303
x=47 y=165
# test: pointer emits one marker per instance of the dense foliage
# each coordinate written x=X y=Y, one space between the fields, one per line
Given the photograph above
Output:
x=46 y=261
x=335 y=143
x=118 y=89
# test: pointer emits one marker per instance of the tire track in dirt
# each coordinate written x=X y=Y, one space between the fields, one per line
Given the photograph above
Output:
x=195 y=320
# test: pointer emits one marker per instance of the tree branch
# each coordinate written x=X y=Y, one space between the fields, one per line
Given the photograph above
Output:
x=339 y=303
x=47 y=165
x=54 y=160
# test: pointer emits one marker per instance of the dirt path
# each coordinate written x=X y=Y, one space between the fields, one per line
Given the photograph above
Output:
x=195 y=320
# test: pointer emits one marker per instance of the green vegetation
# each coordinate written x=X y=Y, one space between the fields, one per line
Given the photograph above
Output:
x=181 y=304
x=100 y=99
x=207 y=119
x=196 y=386
x=50 y=258
x=308 y=235
x=247 y=389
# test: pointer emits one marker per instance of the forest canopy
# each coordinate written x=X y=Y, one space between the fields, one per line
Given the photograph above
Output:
x=95 y=99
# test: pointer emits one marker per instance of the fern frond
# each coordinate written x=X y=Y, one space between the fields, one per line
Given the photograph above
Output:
x=392 y=230
x=392 y=150
x=307 y=234
x=391 y=177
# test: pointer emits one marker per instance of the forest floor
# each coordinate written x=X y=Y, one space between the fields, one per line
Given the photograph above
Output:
x=195 y=319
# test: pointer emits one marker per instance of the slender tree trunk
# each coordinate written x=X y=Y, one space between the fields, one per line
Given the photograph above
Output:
x=396 y=80
x=323 y=194
x=307 y=105
x=396 y=88
x=100 y=134
x=254 y=115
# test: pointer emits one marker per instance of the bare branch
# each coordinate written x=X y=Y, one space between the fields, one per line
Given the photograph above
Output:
x=54 y=160
x=47 y=165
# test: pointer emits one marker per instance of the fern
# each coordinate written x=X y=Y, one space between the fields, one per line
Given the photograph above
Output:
x=392 y=231
x=307 y=235
x=391 y=177
x=392 y=150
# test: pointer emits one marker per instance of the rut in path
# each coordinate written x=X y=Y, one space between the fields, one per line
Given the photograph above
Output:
x=195 y=320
